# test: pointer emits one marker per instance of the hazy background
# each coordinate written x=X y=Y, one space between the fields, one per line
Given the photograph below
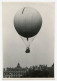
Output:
x=42 y=48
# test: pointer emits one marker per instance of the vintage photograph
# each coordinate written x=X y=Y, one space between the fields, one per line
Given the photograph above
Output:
x=28 y=39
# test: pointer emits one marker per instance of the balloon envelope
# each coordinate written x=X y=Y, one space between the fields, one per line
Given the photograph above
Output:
x=27 y=22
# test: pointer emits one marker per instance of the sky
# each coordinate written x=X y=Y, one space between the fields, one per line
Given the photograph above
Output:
x=42 y=47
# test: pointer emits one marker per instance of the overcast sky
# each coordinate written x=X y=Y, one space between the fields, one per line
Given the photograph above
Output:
x=41 y=49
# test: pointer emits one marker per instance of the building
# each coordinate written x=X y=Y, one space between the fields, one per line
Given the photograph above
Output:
x=42 y=67
x=16 y=72
x=32 y=71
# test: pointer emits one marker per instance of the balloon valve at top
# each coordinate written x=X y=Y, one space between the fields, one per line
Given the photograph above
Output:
x=23 y=10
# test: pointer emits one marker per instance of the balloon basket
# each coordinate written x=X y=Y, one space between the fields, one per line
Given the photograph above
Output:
x=27 y=50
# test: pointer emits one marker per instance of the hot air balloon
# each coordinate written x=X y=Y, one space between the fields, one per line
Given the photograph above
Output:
x=27 y=22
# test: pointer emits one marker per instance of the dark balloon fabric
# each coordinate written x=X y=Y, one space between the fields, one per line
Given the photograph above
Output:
x=27 y=22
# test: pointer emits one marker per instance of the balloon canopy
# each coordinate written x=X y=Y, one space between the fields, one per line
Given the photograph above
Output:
x=27 y=22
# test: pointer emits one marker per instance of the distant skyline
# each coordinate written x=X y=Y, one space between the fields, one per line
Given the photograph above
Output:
x=27 y=66
x=42 y=48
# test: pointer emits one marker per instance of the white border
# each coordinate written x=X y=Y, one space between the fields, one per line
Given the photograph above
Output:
x=56 y=40
x=1 y=33
x=28 y=0
x=0 y=40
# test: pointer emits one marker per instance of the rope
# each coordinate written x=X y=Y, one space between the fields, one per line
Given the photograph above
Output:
x=29 y=42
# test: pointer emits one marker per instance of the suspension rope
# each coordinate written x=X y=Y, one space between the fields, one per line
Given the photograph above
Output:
x=29 y=43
